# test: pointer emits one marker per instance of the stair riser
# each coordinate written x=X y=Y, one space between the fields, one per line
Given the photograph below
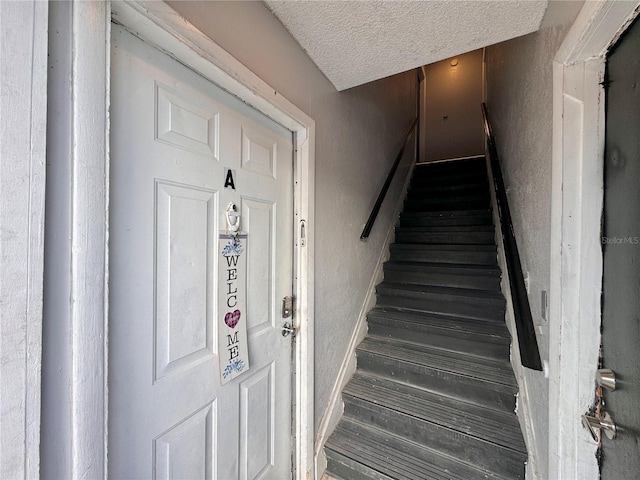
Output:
x=450 y=178
x=443 y=256
x=436 y=338
x=444 y=191
x=482 y=199
x=456 y=165
x=461 y=238
x=446 y=179
x=416 y=220
x=446 y=307
x=447 y=229
x=426 y=206
x=497 y=459
x=479 y=282
x=451 y=168
x=473 y=390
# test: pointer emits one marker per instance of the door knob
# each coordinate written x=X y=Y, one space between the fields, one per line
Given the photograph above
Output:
x=289 y=329
x=605 y=378
x=596 y=425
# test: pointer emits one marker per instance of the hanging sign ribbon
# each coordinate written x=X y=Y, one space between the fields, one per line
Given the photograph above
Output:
x=233 y=349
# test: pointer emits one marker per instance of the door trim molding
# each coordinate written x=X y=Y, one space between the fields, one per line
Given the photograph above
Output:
x=23 y=123
x=161 y=26
x=576 y=251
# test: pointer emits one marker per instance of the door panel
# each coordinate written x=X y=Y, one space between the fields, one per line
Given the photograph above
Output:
x=174 y=136
x=184 y=451
x=259 y=218
x=184 y=232
x=187 y=123
x=621 y=249
x=257 y=422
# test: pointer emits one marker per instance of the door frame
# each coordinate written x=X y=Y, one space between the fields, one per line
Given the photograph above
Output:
x=23 y=142
x=160 y=25
x=576 y=249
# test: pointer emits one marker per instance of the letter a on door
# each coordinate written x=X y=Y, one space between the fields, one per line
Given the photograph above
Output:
x=228 y=179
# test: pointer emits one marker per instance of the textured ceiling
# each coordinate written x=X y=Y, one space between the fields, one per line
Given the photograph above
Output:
x=355 y=42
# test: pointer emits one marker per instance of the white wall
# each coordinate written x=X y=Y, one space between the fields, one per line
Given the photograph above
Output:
x=453 y=118
x=23 y=69
x=358 y=133
x=519 y=99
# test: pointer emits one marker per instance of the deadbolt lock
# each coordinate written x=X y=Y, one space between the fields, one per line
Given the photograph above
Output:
x=605 y=378
x=287 y=306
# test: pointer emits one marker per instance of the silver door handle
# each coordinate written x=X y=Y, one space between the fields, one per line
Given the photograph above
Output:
x=289 y=328
x=597 y=425
x=605 y=378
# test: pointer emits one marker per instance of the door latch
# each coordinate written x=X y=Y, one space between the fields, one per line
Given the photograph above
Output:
x=303 y=233
x=287 y=311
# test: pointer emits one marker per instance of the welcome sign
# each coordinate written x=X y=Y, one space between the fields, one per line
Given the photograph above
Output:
x=233 y=349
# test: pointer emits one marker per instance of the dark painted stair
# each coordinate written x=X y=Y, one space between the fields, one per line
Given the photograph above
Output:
x=433 y=395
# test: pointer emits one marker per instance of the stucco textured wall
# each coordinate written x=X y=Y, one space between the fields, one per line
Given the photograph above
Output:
x=358 y=133
x=519 y=99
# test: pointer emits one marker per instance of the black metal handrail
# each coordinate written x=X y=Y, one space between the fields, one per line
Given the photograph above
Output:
x=525 y=331
x=387 y=183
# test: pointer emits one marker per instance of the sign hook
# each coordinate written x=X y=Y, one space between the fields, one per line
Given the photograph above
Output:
x=233 y=217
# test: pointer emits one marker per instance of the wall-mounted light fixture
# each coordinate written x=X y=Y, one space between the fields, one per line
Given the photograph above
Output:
x=453 y=62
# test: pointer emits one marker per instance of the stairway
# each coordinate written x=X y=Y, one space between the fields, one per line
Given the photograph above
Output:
x=433 y=396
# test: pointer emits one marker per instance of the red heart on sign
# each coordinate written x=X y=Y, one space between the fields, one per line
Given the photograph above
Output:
x=232 y=318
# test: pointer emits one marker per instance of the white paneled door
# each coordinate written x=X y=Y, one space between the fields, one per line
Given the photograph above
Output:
x=176 y=139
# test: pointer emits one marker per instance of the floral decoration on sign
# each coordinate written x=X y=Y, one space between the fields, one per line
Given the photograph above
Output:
x=232 y=248
x=236 y=365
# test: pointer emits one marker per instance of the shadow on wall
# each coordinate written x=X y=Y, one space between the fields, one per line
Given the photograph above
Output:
x=453 y=119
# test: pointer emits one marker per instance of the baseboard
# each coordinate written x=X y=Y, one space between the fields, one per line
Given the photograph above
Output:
x=523 y=409
x=335 y=406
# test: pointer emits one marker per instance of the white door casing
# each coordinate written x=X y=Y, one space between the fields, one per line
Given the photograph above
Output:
x=23 y=130
x=174 y=137
x=576 y=255
x=88 y=278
